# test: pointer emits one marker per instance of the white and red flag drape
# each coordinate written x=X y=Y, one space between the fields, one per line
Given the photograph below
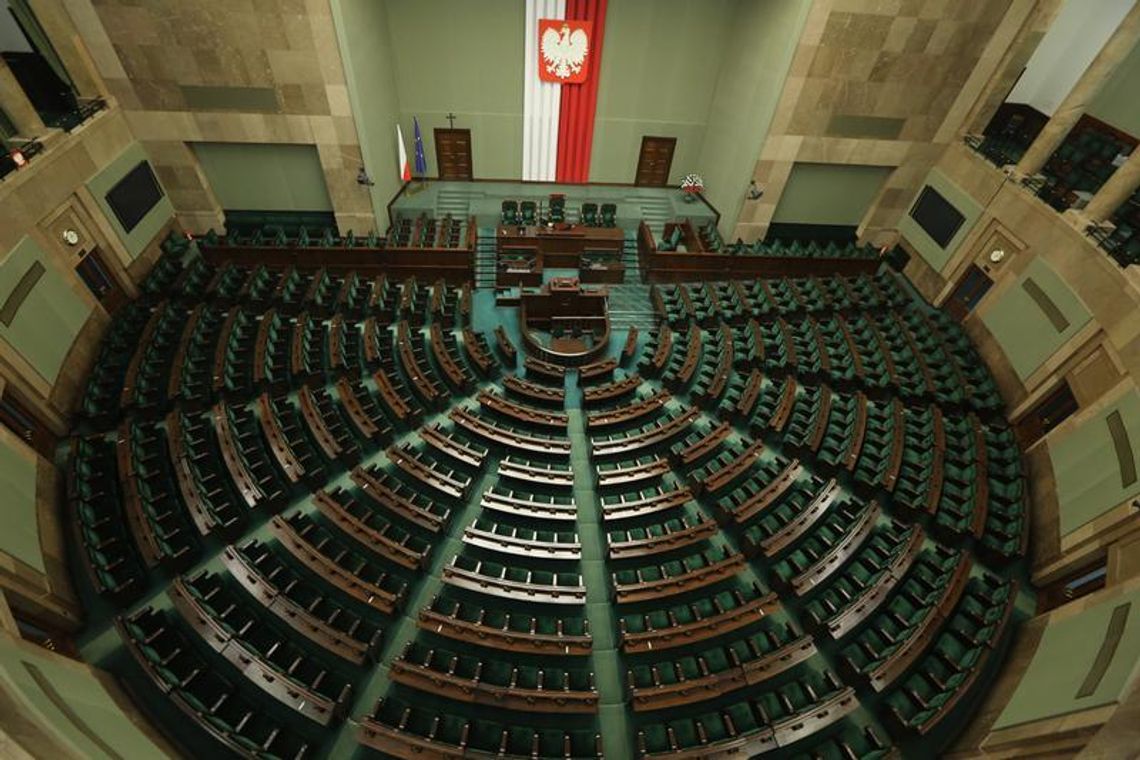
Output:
x=563 y=62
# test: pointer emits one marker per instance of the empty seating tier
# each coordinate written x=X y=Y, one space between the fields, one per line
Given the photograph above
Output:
x=781 y=516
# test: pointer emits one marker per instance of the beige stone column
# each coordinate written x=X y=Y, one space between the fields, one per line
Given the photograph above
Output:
x=1098 y=73
x=16 y=104
x=1116 y=190
x=1017 y=53
x=60 y=29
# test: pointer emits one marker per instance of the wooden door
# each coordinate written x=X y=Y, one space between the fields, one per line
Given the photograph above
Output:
x=97 y=276
x=453 y=153
x=655 y=161
x=968 y=292
x=1050 y=412
x=18 y=417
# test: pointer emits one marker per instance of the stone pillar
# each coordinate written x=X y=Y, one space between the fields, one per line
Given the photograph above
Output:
x=60 y=29
x=1098 y=73
x=16 y=104
x=1116 y=190
x=1034 y=26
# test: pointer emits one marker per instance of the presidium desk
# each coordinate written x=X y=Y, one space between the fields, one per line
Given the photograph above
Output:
x=560 y=245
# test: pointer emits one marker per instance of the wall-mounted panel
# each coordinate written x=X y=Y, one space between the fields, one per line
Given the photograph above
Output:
x=1082 y=661
x=1034 y=317
x=41 y=313
x=1095 y=464
x=63 y=703
x=19 y=529
x=143 y=233
x=936 y=255
x=837 y=194
x=265 y=176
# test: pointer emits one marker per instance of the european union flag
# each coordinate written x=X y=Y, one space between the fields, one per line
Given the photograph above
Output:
x=421 y=162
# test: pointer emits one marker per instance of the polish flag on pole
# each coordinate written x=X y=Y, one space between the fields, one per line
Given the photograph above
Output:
x=405 y=167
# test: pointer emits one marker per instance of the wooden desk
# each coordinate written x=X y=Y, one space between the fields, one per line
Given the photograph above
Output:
x=279 y=447
x=243 y=480
x=561 y=245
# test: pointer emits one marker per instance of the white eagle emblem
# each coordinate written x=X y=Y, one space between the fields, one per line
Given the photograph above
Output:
x=565 y=52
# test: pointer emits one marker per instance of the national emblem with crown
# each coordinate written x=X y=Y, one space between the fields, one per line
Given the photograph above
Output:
x=564 y=50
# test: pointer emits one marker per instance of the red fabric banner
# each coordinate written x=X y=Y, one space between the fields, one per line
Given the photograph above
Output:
x=579 y=101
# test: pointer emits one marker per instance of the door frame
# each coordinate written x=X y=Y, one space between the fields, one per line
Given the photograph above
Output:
x=641 y=159
x=116 y=295
x=439 y=164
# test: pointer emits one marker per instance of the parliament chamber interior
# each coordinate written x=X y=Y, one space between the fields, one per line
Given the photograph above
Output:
x=569 y=379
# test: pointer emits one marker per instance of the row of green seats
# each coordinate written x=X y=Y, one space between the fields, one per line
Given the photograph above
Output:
x=150 y=483
x=799 y=249
x=873 y=654
x=402 y=728
x=104 y=388
x=111 y=558
x=219 y=706
x=268 y=643
x=942 y=679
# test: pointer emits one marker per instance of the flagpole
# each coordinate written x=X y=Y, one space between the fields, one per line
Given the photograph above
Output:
x=421 y=159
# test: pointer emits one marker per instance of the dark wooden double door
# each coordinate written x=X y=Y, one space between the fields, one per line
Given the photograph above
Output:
x=655 y=161
x=453 y=154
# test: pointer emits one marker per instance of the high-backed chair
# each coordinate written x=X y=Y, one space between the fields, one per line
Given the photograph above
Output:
x=557 y=208
x=609 y=215
x=528 y=209
x=510 y=212
x=590 y=214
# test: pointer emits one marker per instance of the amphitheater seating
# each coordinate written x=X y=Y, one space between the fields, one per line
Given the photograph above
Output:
x=755 y=725
x=799 y=474
x=404 y=730
x=110 y=557
x=204 y=697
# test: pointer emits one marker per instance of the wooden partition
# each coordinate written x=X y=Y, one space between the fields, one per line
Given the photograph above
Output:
x=563 y=304
x=672 y=266
x=454 y=265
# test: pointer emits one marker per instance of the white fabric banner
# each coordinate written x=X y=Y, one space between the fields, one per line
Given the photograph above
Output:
x=541 y=100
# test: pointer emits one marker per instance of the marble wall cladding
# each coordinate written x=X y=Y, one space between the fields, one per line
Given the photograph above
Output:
x=258 y=71
x=876 y=82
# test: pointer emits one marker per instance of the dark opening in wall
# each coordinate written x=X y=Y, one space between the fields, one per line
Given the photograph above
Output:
x=1050 y=412
x=840 y=233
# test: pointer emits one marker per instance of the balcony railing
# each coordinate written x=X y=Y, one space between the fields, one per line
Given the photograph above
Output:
x=83 y=111
x=26 y=150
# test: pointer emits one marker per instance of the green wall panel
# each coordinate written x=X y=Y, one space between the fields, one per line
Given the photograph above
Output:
x=145 y=231
x=363 y=33
x=1034 y=317
x=1088 y=468
x=757 y=55
x=829 y=193
x=1117 y=102
x=65 y=699
x=19 y=529
x=934 y=254
x=264 y=176
x=660 y=62
x=1064 y=658
x=429 y=58
x=50 y=316
x=456 y=56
